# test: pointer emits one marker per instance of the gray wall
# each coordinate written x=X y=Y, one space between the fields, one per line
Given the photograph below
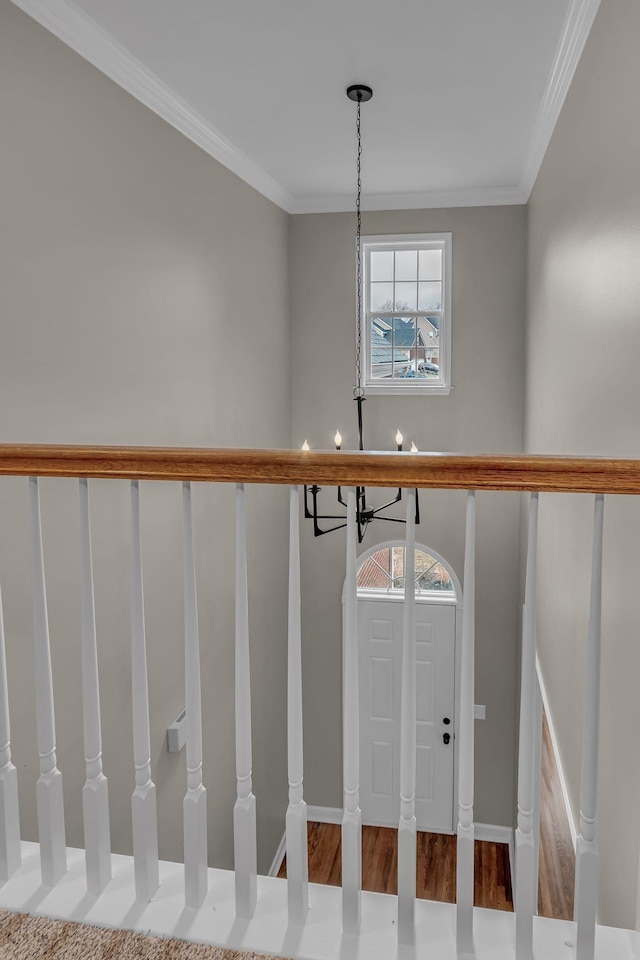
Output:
x=483 y=413
x=583 y=396
x=143 y=300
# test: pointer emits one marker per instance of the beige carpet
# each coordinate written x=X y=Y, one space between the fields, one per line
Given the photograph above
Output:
x=36 y=938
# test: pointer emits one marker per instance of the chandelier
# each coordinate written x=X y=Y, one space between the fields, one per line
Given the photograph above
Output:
x=365 y=512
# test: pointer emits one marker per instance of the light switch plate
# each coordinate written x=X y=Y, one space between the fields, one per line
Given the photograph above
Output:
x=479 y=711
x=177 y=733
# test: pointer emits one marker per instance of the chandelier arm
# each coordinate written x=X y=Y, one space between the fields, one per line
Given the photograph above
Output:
x=320 y=533
x=321 y=516
x=384 y=506
x=307 y=513
x=314 y=496
x=317 y=531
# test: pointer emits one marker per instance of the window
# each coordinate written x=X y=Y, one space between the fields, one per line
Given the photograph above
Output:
x=407 y=313
x=383 y=572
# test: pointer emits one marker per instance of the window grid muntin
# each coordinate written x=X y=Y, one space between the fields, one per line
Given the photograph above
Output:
x=441 y=243
x=408 y=315
x=425 y=562
x=394 y=249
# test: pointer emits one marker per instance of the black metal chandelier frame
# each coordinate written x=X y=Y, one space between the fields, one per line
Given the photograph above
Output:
x=365 y=512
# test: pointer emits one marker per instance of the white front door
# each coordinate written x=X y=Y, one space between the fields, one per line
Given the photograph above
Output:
x=380 y=645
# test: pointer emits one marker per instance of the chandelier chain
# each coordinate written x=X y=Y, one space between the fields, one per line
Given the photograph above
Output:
x=358 y=390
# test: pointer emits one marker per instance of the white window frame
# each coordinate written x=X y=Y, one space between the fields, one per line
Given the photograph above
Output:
x=391 y=386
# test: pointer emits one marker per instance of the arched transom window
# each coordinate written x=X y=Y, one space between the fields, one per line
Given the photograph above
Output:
x=383 y=572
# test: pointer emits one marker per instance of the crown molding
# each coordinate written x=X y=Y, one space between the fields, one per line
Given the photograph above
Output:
x=71 y=25
x=577 y=28
x=466 y=197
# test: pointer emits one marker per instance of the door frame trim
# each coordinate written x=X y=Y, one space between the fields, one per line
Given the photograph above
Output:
x=458 y=602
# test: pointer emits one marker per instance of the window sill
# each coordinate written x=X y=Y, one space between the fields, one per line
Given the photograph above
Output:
x=407 y=389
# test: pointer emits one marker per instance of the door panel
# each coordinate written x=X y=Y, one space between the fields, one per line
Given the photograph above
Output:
x=424 y=689
x=380 y=625
x=381 y=692
x=381 y=769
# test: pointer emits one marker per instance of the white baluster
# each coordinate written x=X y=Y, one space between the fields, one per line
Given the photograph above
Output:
x=244 y=811
x=9 y=809
x=586 y=887
x=526 y=892
x=352 y=816
x=195 y=802
x=51 y=832
x=143 y=802
x=466 y=830
x=537 y=786
x=95 y=793
x=407 y=825
x=296 y=820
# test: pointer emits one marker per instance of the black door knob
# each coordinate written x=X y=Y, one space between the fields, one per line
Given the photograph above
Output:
x=446 y=721
x=446 y=737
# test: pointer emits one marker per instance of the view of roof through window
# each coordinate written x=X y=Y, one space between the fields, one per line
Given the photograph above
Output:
x=405 y=312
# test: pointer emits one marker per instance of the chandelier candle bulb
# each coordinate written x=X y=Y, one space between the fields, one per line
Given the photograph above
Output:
x=338 y=439
x=305 y=446
x=399 y=440
x=414 y=449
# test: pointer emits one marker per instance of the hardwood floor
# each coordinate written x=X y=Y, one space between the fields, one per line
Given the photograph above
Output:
x=557 y=856
x=436 y=864
x=436 y=857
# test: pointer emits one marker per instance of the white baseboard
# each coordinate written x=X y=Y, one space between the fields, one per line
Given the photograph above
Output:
x=556 y=753
x=324 y=814
x=276 y=863
x=495 y=833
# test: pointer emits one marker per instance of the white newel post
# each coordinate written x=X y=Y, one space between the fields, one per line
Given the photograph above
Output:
x=95 y=793
x=296 y=820
x=466 y=733
x=244 y=811
x=352 y=816
x=9 y=808
x=526 y=893
x=586 y=887
x=51 y=832
x=194 y=807
x=143 y=802
x=407 y=825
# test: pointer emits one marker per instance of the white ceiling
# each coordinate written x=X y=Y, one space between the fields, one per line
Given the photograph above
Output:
x=466 y=93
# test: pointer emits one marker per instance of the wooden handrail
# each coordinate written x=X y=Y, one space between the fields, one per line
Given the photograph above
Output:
x=440 y=470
